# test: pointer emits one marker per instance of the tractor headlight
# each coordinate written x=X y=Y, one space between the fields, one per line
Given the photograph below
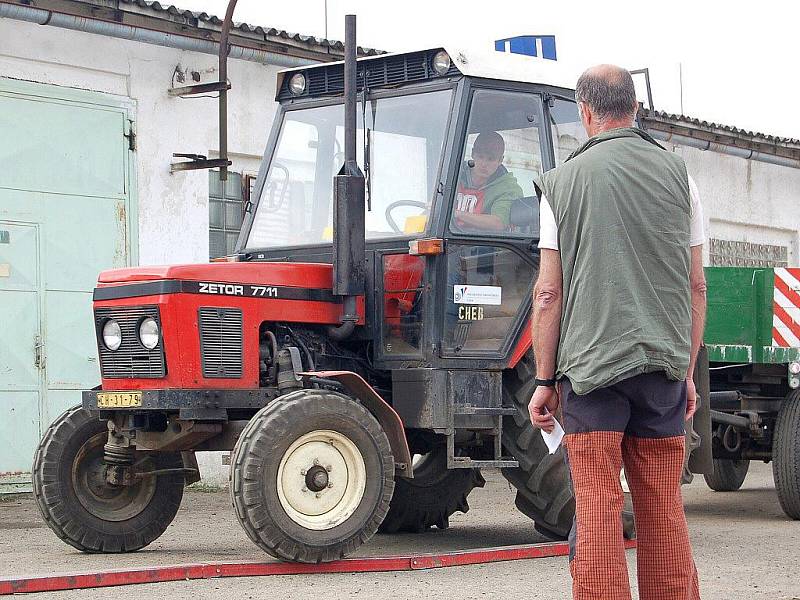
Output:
x=148 y=333
x=441 y=62
x=297 y=84
x=112 y=334
x=794 y=367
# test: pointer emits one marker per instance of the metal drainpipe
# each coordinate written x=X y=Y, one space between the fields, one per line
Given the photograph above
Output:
x=682 y=140
x=147 y=36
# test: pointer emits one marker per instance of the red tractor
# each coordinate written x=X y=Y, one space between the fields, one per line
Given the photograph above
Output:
x=361 y=363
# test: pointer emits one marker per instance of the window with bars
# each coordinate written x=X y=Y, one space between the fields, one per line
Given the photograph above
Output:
x=226 y=201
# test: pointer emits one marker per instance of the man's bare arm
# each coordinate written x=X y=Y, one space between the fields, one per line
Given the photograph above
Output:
x=697 y=282
x=545 y=330
x=546 y=319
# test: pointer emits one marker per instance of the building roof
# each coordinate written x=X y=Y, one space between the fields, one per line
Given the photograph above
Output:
x=716 y=133
x=727 y=129
x=203 y=20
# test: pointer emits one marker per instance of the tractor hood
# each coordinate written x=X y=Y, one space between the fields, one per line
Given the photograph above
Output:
x=314 y=275
x=263 y=279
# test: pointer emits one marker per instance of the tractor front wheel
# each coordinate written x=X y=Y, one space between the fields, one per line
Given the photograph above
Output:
x=86 y=511
x=312 y=476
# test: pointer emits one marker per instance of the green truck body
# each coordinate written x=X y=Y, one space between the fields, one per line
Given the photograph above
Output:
x=741 y=316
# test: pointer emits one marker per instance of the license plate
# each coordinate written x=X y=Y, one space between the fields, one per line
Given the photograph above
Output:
x=118 y=399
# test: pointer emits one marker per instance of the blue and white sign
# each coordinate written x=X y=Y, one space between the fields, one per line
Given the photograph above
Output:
x=543 y=46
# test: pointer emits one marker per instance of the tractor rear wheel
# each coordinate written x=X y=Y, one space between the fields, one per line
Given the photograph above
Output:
x=434 y=494
x=786 y=455
x=82 y=508
x=728 y=474
x=542 y=479
x=312 y=476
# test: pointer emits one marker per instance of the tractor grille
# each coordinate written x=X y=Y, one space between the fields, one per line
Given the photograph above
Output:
x=221 y=342
x=391 y=70
x=131 y=360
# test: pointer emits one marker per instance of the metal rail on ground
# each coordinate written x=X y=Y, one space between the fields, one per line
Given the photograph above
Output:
x=209 y=570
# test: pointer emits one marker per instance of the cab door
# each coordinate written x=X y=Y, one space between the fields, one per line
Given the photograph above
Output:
x=490 y=260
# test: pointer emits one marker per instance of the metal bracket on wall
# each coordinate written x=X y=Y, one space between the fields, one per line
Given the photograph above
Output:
x=198 y=161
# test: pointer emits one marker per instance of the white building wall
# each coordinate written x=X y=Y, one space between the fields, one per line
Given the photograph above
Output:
x=173 y=208
x=747 y=200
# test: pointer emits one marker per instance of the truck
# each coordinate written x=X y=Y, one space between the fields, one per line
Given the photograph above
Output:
x=753 y=347
x=365 y=352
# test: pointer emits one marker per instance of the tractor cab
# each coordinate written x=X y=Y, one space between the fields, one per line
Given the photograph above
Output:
x=450 y=144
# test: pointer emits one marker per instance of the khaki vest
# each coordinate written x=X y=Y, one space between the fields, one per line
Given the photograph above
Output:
x=622 y=206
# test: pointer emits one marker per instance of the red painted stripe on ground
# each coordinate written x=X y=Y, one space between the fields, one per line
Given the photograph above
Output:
x=73 y=581
x=787 y=320
x=779 y=338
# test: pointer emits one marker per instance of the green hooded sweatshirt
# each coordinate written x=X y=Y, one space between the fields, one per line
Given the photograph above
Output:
x=495 y=197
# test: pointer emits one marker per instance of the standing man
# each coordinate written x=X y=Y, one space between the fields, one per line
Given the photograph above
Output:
x=619 y=310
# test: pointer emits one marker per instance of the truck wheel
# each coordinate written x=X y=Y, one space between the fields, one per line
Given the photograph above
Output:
x=728 y=475
x=434 y=494
x=542 y=479
x=82 y=508
x=312 y=476
x=786 y=455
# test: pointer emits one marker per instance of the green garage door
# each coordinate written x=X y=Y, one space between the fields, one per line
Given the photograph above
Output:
x=65 y=215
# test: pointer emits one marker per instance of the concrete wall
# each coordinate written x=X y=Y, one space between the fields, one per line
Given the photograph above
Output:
x=173 y=208
x=746 y=200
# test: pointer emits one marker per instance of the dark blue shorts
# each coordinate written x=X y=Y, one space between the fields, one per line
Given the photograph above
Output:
x=647 y=405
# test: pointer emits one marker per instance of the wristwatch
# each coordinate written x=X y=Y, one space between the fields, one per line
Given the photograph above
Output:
x=545 y=382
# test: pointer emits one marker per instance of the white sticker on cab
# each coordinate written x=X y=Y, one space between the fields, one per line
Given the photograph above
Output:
x=477 y=294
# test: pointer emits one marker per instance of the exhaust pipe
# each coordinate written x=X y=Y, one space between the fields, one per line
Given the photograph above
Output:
x=349 y=247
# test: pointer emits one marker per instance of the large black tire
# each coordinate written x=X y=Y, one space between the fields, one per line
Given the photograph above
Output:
x=434 y=494
x=786 y=455
x=542 y=479
x=85 y=511
x=728 y=474
x=295 y=518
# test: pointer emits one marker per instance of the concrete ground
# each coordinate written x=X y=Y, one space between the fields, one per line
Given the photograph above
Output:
x=745 y=547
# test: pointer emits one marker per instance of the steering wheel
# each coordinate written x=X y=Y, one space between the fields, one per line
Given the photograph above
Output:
x=397 y=204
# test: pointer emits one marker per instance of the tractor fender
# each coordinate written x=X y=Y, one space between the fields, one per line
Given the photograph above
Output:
x=380 y=409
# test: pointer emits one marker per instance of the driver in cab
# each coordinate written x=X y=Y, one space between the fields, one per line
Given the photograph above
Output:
x=486 y=189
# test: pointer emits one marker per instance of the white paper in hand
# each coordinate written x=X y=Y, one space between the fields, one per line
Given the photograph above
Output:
x=553 y=439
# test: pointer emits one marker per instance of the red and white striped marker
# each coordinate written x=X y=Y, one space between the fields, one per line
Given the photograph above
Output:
x=786 y=308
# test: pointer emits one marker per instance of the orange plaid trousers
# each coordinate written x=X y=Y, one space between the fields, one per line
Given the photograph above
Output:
x=653 y=468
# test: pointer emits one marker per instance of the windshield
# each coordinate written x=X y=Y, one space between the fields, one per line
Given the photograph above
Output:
x=405 y=136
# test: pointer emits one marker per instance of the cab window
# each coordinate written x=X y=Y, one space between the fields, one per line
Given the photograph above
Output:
x=501 y=159
x=566 y=127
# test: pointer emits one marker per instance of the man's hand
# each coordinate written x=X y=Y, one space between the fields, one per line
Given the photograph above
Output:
x=542 y=407
x=691 y=398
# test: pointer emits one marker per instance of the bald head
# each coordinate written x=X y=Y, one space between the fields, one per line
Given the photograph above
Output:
x=609 y=93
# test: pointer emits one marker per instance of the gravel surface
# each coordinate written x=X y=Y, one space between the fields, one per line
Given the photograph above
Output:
x=745 y=547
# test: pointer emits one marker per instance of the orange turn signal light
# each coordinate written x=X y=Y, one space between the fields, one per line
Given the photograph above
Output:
x=426 y=247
